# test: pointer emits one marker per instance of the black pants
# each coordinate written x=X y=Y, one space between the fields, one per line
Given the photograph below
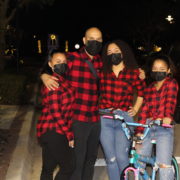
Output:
x=86 y=149
x=56 y=151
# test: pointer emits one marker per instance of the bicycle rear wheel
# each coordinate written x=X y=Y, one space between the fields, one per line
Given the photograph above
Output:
x=175 y=168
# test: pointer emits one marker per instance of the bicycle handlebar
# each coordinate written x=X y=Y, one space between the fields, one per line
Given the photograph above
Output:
x=126 y=124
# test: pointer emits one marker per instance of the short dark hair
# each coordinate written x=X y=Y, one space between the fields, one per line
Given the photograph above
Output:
x=52 y=52
x=128 y=56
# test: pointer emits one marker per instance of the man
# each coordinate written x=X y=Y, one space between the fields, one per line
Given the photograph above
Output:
x=86 y=124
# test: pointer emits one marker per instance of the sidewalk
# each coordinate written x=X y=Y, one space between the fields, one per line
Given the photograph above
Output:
x=100 y=170
x=19 y=164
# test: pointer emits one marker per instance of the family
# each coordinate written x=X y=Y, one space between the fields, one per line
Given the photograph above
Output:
x=77 y=85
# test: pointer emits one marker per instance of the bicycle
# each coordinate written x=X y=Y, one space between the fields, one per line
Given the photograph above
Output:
x=135 y=171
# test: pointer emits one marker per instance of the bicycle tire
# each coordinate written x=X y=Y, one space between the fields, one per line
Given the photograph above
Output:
x=129 y=176
x=176 y=168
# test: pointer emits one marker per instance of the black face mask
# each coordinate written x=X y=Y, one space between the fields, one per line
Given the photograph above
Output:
x=93 y=47
x=60 y=69
x=158 y=76
x=115 y=58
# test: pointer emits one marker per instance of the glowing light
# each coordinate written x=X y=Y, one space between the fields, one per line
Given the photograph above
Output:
x=66 y=46
x=39 y=47
x=53 y=36
x=77 y=46
x=141 y=48
x=157 y=48
x=170 y=19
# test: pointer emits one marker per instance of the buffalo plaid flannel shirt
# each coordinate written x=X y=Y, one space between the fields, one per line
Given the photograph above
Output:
x=80 y=76
x=159 y=103
x=57 y=110
x=117 y=92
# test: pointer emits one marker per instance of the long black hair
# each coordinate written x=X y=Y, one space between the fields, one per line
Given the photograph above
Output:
x=128 y=56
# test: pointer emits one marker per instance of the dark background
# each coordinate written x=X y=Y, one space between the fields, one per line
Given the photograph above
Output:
x=140 y=23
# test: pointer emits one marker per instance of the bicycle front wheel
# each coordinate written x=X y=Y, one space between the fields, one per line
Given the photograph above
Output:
x=175 y=168
x=130 y=176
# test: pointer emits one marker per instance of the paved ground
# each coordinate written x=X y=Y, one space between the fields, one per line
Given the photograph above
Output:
x=8 y=112
x=100 y=168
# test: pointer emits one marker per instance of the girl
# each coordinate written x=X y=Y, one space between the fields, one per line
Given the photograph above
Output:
x=54 y=125
x=119 y=78
x=159 y=104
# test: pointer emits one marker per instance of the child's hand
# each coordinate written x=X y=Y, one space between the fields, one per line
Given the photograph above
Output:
x=166 y=120
x=71 y=143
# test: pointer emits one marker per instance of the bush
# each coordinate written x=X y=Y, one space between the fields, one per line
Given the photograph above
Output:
x=12 y=88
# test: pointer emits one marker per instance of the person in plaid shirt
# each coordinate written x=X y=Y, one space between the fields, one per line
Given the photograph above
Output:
x=86 y=120
x=54 y=127
x=159 y=104
x=119 y=79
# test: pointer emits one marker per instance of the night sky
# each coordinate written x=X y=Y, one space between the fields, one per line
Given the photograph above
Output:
x=116 y=18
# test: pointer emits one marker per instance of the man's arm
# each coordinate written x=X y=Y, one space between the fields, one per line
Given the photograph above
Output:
x=46 y=77
x=49 y=81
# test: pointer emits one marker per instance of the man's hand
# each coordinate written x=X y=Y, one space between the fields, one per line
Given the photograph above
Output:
x=142 y=74
x=50 y=81
x=71 y=143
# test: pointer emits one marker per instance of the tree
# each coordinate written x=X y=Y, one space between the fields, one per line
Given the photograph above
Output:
x=8 y=9
x=149 y=26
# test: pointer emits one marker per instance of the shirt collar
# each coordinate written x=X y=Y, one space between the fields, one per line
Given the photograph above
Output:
x=164 y=83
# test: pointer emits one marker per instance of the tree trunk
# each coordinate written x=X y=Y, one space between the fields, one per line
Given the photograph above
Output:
x=2 y=42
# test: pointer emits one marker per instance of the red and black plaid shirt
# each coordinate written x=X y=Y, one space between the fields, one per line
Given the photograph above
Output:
x=57 y=110
x=86 y=100
x=159 y=103
x=117 y=92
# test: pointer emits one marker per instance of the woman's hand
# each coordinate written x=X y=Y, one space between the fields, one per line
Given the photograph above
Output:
x=142 y=74
x=71 y=143
x=132 y=111
x=50 y=81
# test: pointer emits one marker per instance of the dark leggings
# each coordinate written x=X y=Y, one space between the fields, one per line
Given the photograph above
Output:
x=55 y=151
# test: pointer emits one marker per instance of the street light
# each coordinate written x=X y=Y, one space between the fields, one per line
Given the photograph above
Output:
x=170 y=19
x=77 y=46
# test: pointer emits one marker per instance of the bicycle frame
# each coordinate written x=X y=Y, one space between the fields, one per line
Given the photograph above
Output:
x=135 y=166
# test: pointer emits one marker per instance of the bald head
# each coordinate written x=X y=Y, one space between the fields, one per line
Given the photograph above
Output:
x=93 y=30
x=92 y=33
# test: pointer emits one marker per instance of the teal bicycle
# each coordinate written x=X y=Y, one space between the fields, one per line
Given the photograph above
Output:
x=135 y=171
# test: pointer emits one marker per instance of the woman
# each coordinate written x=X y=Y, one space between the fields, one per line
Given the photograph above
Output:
x=159 y=104
x=54 y=125
x=119 y=78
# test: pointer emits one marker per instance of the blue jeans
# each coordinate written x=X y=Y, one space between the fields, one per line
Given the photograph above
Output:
x=164 y=149
x=115 y=144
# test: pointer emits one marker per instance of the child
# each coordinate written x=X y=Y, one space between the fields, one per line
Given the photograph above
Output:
x=54 y=125
x=159 y=104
